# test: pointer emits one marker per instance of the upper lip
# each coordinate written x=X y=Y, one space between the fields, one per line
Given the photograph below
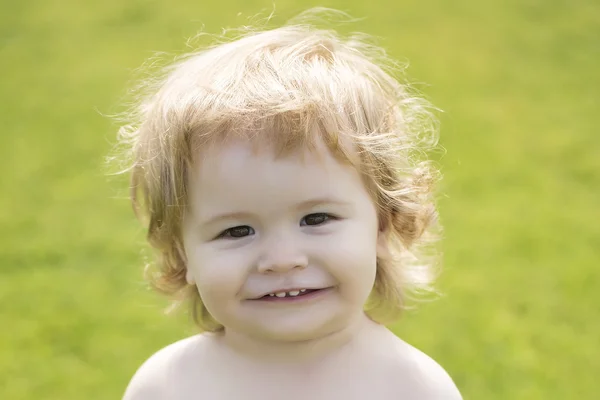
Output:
x=286 y=290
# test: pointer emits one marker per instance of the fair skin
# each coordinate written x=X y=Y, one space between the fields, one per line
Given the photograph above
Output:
x=283 y=252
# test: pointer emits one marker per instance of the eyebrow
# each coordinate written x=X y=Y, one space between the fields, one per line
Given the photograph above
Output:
x=244 y=215
x=322 y=201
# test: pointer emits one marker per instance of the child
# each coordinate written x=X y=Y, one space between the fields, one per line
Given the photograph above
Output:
x=281 y=178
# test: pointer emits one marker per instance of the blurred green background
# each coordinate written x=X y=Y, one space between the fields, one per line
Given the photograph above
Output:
x=519 y=82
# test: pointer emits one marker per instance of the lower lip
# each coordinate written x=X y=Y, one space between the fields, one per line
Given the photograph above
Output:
x=309 y=296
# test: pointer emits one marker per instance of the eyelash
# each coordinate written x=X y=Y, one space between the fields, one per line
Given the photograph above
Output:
x=227 y=234
x=326 y=217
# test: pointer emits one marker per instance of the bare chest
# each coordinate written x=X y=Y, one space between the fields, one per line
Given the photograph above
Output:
x=357 y=389
x=347 y=385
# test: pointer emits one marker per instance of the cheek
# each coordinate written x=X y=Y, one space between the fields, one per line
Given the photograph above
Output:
x=352 y=257
x=218 y=274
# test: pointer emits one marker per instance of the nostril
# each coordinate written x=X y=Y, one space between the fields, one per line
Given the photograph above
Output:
x=282 y=259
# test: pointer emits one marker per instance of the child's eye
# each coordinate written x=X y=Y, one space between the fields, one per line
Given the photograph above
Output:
x=236 y=232
x=315 y=219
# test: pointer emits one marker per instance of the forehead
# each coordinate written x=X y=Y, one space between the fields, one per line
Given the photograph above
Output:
x=238 y=172
x=237 y=159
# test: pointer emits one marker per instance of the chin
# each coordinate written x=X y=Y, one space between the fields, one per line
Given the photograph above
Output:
x=292 y=328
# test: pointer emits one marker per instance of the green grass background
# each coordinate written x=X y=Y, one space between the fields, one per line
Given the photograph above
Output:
x=519 y=82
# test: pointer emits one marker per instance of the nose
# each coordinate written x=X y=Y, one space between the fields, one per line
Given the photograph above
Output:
x=281 y=256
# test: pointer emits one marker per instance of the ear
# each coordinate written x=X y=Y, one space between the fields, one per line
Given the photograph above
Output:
x=189 y=277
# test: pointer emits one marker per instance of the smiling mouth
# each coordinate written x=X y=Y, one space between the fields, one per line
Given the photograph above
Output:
x=292 y=294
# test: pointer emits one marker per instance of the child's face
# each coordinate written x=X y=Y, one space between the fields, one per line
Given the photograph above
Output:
x=258 y=225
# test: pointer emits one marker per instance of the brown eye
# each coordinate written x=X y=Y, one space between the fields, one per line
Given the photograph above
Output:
x=315 y=219
x=237 y=232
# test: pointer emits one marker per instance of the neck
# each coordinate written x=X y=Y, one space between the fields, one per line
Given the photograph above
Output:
x=259 y=350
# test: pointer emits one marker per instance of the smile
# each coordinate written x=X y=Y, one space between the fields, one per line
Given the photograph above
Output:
x=292 y=294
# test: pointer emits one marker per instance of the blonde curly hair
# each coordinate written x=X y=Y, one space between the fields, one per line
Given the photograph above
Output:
x=291 y=86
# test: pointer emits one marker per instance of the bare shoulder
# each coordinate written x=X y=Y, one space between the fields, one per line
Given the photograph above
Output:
x=421 y=376
x=155 y=378
x=437 y=382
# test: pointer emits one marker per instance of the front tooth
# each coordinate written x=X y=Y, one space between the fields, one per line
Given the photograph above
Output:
x=302 y=290
x=271 y=294
x=280 y=294
x=294 y=293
